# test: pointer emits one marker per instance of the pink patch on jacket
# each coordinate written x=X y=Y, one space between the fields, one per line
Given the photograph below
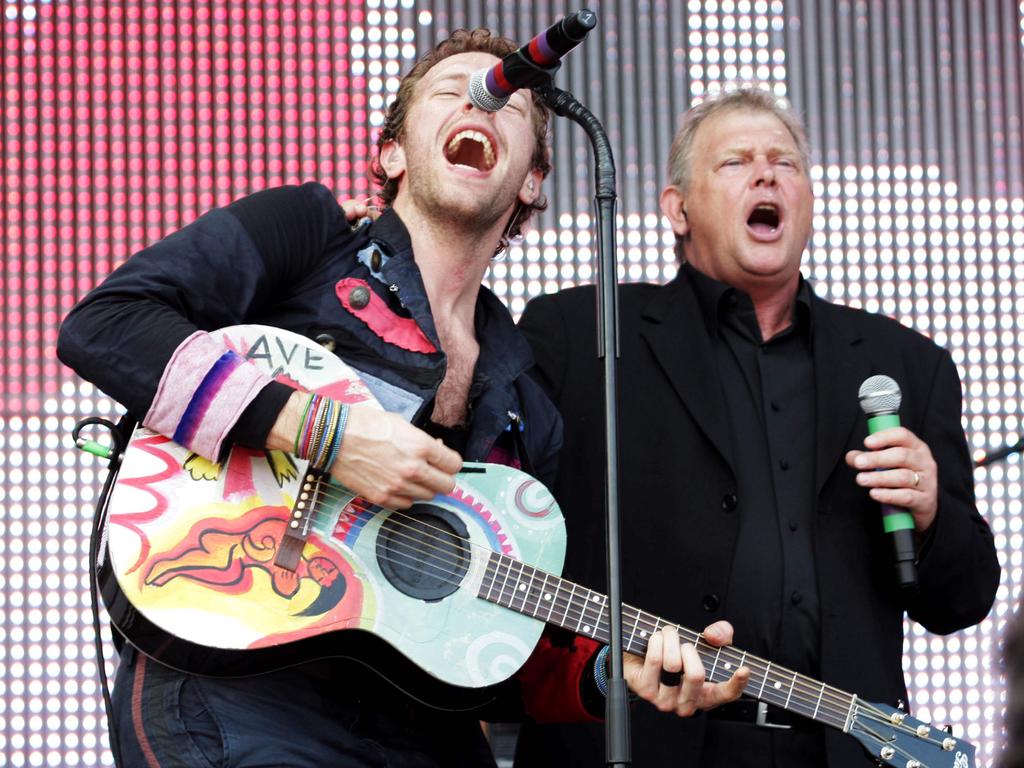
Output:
x=401 y=331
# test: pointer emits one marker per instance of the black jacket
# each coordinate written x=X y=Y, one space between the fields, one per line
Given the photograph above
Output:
x=287 y=258
x=680 y=512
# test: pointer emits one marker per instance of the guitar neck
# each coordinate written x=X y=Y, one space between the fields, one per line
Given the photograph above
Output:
x=562 y=603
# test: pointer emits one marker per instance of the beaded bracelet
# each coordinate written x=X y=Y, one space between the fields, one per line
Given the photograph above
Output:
x=320 y=432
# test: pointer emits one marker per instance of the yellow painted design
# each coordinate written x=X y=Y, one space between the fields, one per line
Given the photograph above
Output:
x=200 y=468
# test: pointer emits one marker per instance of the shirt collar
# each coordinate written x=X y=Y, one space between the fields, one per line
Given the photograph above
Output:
x=504 y=353
x=718 y=300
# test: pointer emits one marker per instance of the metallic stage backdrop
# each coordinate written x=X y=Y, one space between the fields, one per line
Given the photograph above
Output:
x=124 y=119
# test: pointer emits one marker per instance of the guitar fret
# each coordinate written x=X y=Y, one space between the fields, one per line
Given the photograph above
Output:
x=792 y=685
x=528 y=595
x=572 y=596
x=495 y=589
x=591 y=627
x=521 y=587
x=583 y=601
x=821 y=692
x=714 y=666
x=552 y=599
x=559 y=615
x=764 y=679
x=536 y=592
x=485 y=591
x=504 y=583
x=585 y=628
x=632 y=635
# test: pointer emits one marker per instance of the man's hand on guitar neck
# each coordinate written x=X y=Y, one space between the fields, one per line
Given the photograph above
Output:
x=383 y=458
x=650 y=678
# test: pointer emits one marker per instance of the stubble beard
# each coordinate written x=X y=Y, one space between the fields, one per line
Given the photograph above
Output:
x=462 y=209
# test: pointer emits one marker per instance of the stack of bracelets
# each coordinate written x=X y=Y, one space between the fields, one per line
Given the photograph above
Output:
x=319 y=437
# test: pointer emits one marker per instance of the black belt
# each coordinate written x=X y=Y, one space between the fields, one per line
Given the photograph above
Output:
x=760 y=714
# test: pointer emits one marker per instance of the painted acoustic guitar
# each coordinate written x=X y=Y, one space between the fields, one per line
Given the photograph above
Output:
x=256 y=564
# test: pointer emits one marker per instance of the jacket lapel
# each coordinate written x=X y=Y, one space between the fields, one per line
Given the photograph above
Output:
x=840 y=365
x=673 y=327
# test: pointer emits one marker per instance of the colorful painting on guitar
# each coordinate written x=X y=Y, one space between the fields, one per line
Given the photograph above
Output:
x=193 y=544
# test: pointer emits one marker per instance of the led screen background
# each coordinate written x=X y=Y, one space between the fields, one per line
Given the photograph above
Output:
x=124 y=120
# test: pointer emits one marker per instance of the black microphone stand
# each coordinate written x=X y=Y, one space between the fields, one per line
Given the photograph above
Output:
x=564 y=104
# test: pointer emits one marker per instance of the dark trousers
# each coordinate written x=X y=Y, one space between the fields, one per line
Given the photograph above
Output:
x=293 y=718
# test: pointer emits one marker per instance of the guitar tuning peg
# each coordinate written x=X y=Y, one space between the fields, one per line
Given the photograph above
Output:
x=901 y=705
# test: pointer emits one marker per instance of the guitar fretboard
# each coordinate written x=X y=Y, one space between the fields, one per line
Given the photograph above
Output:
x=554 y=600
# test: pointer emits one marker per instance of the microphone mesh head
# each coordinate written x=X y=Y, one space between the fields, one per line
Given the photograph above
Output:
x=879 y=394
x=480 y=97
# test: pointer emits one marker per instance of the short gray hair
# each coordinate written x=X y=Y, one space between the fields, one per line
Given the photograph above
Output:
x=747 y=98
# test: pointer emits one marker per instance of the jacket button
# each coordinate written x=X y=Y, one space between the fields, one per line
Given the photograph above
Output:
x=359 y=297
x=711 y=602
x=729 y=502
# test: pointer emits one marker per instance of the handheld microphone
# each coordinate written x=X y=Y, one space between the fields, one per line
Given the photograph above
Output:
x=880 y=400
x=532 y=64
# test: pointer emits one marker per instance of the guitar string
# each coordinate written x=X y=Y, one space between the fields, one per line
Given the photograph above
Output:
x=840 y=714
x=815 y=695
x=833 y=704
x=804 y=690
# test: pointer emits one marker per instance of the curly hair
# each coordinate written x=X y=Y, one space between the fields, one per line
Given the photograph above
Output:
x=394 y=127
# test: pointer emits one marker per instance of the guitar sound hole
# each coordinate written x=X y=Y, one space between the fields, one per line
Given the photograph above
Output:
x=424 y=551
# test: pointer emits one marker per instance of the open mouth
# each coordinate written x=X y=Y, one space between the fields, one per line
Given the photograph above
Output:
x=470 y=149
x=764 y=219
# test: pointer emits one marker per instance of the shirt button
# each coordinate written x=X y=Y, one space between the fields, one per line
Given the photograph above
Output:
x=729 y=502
x=359 y=297
x=796 y=598
x=710 y=602
x=793 y=525
x=783 y=465
x=775 y=406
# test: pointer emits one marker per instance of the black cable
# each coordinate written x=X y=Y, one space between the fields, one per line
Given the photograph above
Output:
x=113 y=454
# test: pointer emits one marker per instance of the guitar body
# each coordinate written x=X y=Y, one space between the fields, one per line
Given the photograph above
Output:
x=191 y=576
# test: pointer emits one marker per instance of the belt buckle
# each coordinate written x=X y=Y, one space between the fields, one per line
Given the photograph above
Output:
x=761 y=721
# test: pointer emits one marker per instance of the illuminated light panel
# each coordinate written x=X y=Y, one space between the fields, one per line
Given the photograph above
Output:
x=123 y=121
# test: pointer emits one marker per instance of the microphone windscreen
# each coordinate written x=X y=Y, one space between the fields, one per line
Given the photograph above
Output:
x=480 y=96
x=879 y=394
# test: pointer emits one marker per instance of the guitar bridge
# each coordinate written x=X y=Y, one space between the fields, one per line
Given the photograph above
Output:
x=289 y=555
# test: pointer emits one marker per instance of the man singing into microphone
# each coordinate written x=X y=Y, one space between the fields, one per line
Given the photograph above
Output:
x=400 y=299
x=749 y=489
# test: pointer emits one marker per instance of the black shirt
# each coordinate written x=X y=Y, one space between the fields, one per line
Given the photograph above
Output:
x=768 y=388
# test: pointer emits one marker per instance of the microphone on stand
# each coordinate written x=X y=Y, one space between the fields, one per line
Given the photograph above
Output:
x=880 y=399
x=532 y=64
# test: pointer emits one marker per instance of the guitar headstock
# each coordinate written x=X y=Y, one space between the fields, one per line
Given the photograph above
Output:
x=896 y=739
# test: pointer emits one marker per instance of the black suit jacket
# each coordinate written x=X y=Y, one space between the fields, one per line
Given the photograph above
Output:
x=680 y=512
